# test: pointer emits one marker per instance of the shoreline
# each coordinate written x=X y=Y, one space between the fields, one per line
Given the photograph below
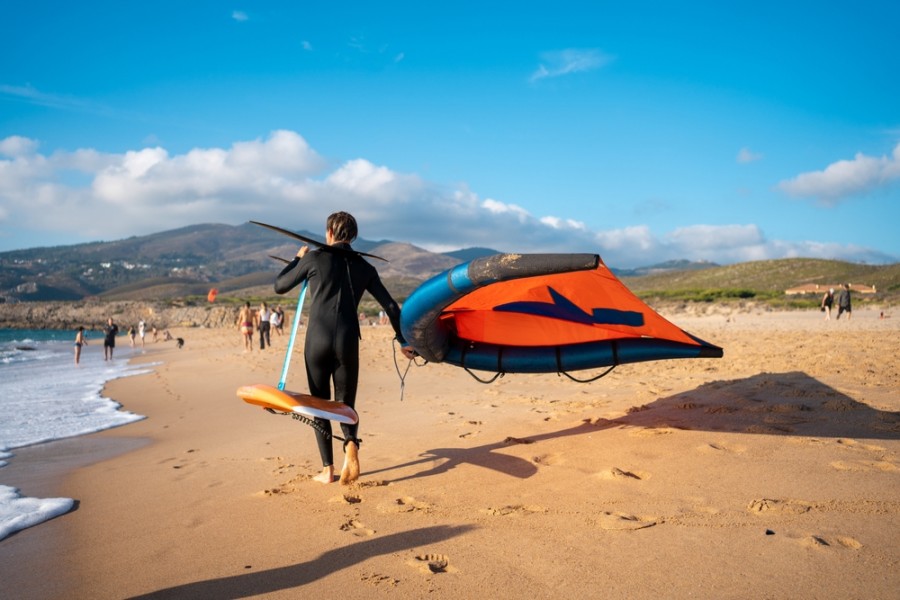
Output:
x=472 y=489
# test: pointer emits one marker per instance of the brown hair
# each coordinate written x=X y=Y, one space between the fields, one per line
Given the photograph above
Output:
x=342 y=226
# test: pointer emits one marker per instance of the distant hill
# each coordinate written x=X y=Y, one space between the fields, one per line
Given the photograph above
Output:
x=665 y=267
x=237 y=260
x=771 y=275
x=186 y=261
x=467 y=254
x=767 y=280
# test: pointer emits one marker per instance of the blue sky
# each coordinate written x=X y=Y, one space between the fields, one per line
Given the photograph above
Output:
x=643 y=131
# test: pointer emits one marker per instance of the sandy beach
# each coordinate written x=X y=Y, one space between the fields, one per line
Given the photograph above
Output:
x=773 y=472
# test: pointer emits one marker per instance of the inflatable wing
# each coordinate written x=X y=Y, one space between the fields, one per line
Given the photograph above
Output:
x=539 y=313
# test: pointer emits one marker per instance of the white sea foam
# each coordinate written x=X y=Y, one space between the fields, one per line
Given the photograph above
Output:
x=17 y=513
x=44 y=396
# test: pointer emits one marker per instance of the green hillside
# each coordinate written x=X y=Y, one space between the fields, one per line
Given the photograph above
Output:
x=767 y=281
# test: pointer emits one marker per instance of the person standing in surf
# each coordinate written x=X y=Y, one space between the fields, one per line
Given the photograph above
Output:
x=79 y=342
x=109 y=338
x=336 y=277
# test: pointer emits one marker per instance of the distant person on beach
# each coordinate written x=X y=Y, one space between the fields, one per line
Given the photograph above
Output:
x=827 y=303
x=843 y=301
x=79 y=342
x=277 y=320
x=245 y=324
x=337 y=278
x=109 y=338
x=142 y=331
x=265 y=326
x=131 y=334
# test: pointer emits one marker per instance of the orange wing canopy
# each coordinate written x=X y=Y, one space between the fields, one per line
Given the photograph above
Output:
x=539 y=313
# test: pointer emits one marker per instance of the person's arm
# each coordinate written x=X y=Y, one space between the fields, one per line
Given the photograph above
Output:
x=294 y=273
x=392 y=310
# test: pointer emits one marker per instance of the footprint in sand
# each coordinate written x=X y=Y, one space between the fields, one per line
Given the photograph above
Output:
x=624 y=522
x=346 y=498
x=884 y=466
x=776 y=506
x=720 y=447
x=838 y=542
x=406 y=504
x=548 y=460
x=514 y=511
x=430 y=564
x=374 y=483
x=357 y=528
x=772 y=429
x=688 y=406
x=849 y=443
x=615 y=473
x=377 y=579
x=288 y=487
x=656 y=429
x=515 y=440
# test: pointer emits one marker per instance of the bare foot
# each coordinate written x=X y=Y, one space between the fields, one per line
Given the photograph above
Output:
x=326 y=476
x=350 y=472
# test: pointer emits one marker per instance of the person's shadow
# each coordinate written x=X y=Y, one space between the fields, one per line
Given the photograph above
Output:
x=291 y=576
x=769 y=403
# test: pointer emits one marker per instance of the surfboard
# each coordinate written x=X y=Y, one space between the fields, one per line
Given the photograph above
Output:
x=284 y=401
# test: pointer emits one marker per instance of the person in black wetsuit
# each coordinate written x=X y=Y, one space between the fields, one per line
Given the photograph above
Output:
x=337 y=277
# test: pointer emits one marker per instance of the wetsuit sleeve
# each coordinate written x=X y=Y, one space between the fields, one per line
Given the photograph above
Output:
x=391 y=308
x=292 y=275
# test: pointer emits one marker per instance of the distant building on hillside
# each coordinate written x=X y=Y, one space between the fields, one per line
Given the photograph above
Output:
x=816 y=288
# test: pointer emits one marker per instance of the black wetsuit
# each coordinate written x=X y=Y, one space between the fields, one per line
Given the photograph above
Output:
x=336 y=282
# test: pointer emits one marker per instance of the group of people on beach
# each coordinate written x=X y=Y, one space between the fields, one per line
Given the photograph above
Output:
x=265 y=320
x=843 y=302
x=110 y=332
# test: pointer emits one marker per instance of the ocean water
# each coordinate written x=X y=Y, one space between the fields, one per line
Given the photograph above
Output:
x=45 y=396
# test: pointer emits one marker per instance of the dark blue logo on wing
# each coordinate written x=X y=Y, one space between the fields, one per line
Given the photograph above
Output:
x=564 y=309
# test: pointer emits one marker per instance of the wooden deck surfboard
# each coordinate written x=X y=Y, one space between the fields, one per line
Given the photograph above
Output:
x=268 y=396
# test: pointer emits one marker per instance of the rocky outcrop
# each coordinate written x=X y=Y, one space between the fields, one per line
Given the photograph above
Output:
x=93 y=315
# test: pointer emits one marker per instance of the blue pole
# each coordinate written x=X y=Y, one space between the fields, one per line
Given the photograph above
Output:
x=290 y=348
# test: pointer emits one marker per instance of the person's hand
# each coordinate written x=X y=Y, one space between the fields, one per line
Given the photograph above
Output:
x=408 y=352
x=302 y=251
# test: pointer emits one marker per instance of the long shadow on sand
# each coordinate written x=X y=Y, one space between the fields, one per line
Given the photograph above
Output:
x=769 y=403
x=790 y=403
x=292 y=576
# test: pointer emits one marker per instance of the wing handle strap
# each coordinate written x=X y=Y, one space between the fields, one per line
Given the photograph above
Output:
x=496 y=376
x=561 y=371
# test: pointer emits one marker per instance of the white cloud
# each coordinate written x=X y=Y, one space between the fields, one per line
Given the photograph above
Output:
x=846 y=178
x=239 y=15
x=745 y=155
x=15 y=145
x=282 y=180
x=572 y=60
